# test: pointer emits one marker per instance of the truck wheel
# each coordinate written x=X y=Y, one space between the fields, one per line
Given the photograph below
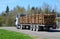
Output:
x=40 y=28
x=35 y=28
x=46 y=28
x=32 y=29
x=18 y=27
x=54 y=27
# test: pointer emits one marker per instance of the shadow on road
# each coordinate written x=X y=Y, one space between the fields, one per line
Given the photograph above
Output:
x=53 y=31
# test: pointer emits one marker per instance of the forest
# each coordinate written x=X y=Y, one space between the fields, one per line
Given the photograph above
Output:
x=7 y=17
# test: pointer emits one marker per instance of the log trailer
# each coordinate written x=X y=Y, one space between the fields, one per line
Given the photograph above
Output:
x=36 y=22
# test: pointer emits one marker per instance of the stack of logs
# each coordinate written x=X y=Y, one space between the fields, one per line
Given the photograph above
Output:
x=37 y=19
x=49 y=18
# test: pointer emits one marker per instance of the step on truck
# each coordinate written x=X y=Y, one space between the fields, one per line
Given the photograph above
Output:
x=36 y=22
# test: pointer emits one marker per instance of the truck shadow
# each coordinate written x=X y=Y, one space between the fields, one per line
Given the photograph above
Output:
x=53 y=31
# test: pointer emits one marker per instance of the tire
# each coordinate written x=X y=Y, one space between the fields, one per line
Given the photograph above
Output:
x=47 y=28
x=40 y=28
x=18 y=27
x=31 y=29
x=54 y=27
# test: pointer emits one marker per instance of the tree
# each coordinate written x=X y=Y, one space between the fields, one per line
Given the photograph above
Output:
x=7 y=9
x=28 y=10
x=7 y=14
x=39 y=10
x=53 y=11
x=20 y=9
x=2 y=21
x=33 y=10
x=47 y=8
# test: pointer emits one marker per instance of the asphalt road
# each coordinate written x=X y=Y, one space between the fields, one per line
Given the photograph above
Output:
x=52 y=34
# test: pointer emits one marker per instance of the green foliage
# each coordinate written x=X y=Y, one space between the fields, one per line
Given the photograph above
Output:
x=2 y=21
x=7 y=9
x=33 y=8
x=20 y=9
x=47 y=9
x=5 y=34
x=53 y=11
x=10 y=22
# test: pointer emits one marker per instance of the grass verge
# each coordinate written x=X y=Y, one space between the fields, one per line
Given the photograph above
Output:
x=5 y=34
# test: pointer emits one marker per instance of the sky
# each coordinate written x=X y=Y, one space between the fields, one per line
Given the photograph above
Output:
x=25 y=3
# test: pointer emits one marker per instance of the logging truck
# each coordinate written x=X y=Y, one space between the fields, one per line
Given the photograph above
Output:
x=36 y=22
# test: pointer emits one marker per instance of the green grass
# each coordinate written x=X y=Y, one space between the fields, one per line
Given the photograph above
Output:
x=5 y=34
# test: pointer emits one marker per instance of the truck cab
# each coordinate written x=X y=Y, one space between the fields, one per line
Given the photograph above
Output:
x=16 y=22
